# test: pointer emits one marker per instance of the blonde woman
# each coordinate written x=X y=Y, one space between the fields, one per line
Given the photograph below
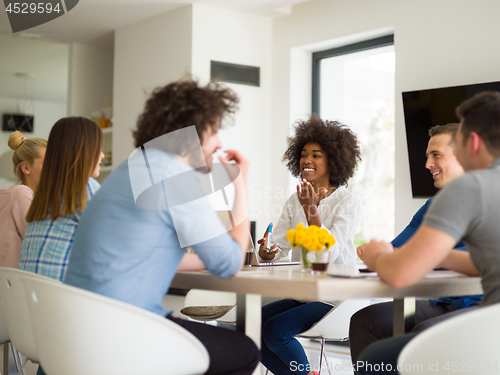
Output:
x=74 y=153
x=15 y=200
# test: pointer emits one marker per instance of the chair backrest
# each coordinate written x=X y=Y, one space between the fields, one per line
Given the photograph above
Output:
x=79 y=332
x=16 y=310
x=465 y=344
x=335 y=324
x=4 y=333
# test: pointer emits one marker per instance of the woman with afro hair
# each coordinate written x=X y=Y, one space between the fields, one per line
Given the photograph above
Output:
x=324 y=154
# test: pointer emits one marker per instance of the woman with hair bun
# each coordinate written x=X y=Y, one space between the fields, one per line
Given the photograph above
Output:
x=15 y=200
x=74 y=153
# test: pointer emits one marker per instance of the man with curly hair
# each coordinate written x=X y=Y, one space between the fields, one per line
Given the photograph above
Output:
x=324 y=154
x=131 y=242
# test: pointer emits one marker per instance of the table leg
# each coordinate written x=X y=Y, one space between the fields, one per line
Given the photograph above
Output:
x=5 y=358
x=403 y=311
x=249 y=318
x=249 y=315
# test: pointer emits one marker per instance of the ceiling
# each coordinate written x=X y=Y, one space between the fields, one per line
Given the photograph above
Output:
x=42 y=51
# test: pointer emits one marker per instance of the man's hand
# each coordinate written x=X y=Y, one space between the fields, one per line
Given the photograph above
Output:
x=239 y=161
x=370 y=251
x=425 y=250
x=237 y=168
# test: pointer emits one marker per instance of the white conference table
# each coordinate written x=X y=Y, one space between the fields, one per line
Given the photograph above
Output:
x=289 y=282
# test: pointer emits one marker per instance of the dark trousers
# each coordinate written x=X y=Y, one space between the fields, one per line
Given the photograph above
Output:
x=230 y=352
x=282 y=320
x=386 y=351
x=375 y=322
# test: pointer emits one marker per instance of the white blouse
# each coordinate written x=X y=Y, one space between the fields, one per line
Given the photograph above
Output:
x=339 y=213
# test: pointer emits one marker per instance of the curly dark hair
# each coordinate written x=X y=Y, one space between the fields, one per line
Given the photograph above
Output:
x=181 y=104
x=336 y=139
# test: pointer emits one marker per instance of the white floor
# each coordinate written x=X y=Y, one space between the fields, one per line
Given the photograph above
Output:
x=338 y=357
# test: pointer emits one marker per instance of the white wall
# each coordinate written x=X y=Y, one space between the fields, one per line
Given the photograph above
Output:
x=148 y=54
x=437 y=43
x=165 y=48
x=90 y=78
x=239 y=38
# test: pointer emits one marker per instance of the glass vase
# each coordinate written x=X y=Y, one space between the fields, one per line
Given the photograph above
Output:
x=305 y=263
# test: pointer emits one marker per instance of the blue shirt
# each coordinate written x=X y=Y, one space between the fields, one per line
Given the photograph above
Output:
x=47 y=243
x=130 y=253
x=405 y=235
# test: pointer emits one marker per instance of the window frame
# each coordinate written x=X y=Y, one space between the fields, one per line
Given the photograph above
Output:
x=383 y=41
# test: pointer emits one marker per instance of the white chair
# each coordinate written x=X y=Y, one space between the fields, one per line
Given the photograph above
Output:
x=5 y=340
x=208 y=305
x=16 y=311
x=79 y=332
x=334 y=326
x=465 y=344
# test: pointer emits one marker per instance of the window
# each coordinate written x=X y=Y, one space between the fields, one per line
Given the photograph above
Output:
x=354 y=84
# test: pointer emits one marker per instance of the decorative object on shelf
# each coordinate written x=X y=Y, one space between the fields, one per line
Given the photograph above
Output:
x=104 y=122
x=107 y=158
x=104 y=116
x=95 y=116
x=311 y=239
x=104 y=119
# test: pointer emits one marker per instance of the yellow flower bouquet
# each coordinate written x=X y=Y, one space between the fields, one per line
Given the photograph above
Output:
x=311 y=238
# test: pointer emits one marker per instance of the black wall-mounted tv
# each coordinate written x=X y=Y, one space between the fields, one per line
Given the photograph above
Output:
x=424 y=109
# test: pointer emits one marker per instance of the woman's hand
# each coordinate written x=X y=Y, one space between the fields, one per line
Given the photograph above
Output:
x=307 y=195
x=310 y=200
x=263 y=253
